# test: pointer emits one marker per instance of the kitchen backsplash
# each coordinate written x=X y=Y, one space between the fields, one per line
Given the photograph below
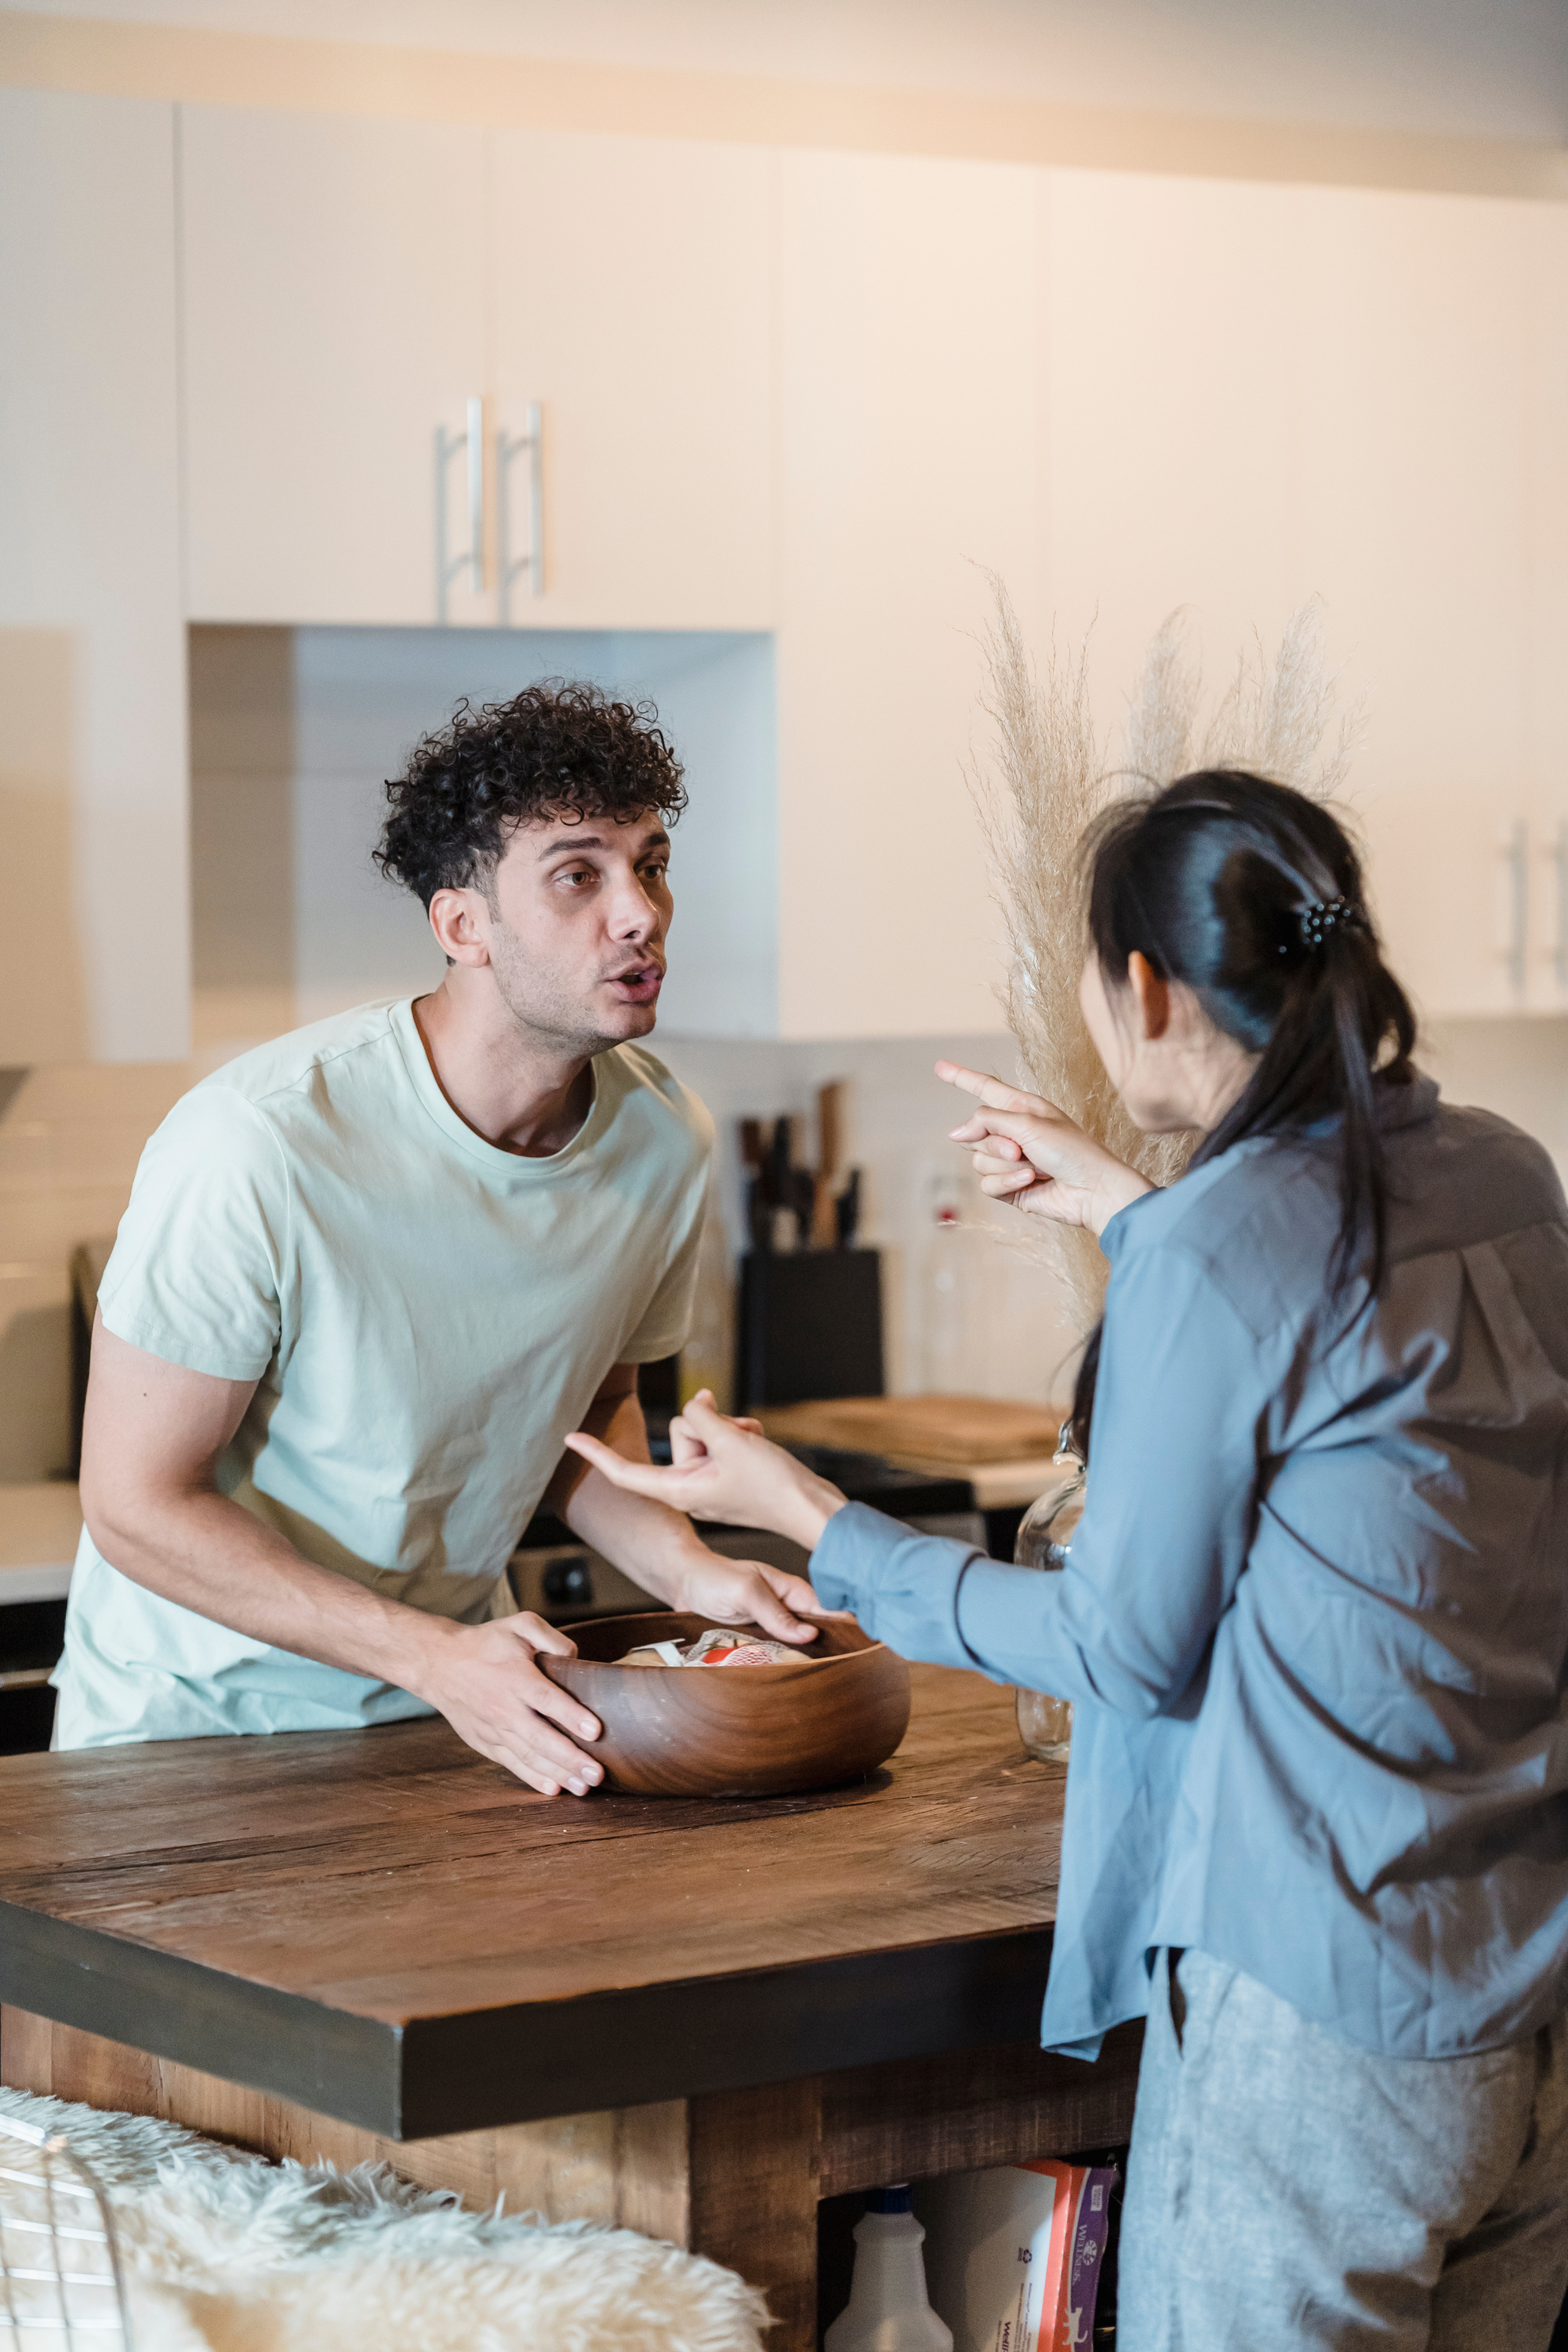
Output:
x=1010 y=1339
x=70 y=1136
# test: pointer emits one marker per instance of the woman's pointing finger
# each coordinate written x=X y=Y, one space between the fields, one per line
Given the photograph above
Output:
x=637 y=1477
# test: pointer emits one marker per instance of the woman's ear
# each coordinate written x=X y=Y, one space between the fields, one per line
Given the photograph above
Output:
x=1150 y=995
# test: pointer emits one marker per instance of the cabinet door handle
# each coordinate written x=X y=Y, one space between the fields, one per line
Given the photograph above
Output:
x=476 y=440
x=1558 y=853
x=528 y=442
x=1516 y=854
x=471 y=442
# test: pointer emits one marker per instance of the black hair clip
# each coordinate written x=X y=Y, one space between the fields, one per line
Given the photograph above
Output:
x=1320 y=917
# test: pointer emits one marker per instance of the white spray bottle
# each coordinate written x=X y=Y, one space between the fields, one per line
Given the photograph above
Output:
x=888 y=2310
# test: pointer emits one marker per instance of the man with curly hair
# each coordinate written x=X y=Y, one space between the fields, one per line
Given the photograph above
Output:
x=373 y=1275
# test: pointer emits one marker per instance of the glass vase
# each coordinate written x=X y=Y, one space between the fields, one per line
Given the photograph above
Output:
x=1045 y=1539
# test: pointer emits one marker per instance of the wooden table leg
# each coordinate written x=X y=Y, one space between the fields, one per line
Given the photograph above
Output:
x=756 y=2158
x=759 y=2160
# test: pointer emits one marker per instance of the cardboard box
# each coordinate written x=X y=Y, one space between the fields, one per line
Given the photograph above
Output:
x=1013 y=2255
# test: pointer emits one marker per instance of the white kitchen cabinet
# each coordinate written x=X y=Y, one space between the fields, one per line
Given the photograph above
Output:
x=1418 y=459
x=821 y=393
x=334 y=331
x=630 y=299
x=94 y=950
x=908 y=446
x=352 y=287
x=1545 y=943
x=1172 y=410
x=1259 y=394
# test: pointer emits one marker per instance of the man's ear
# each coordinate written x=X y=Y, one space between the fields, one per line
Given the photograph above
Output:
x=459 y=919
x=1150 y=993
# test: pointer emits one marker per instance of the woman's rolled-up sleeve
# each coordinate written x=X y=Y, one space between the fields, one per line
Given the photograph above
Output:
x=1178 y=1440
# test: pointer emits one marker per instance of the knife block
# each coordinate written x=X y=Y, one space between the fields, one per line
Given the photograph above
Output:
x=810 y=1325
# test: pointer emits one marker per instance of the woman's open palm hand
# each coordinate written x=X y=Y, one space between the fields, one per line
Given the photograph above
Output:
x=723 y=1469
x=1026 y=1152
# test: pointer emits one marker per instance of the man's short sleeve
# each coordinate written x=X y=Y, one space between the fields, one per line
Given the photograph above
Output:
x=196 y=1270
x=667 y=1319
x=665 y=1325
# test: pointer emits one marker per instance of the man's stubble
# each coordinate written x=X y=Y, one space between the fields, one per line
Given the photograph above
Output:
x=547 y=1017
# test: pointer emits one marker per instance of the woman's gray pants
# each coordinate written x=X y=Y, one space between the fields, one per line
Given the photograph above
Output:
x=1287 y=2189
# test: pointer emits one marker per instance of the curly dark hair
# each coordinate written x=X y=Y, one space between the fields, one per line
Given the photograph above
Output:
x=560 y=749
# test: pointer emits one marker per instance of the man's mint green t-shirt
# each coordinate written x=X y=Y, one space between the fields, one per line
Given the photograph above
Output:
x=425 y=1316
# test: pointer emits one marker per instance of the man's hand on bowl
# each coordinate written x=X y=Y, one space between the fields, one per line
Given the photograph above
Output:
x=485 y=1681
x=726 y=1470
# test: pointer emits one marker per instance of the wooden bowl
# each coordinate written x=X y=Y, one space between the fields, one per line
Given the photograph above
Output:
x=831 y=1715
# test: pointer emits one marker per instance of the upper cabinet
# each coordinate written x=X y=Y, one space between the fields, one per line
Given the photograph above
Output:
x=568 y=383
x=1173 y=413
x=437 y=375
x=334 y=333
x=1419 y=464
x=908 y=445
x=1545 y=940
x=1255 y=394
x=630 y=309
x=95 y=947
x=561 y=381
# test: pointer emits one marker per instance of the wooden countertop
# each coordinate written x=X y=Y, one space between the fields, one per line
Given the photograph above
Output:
x=383 y=1928
x=40 y=1526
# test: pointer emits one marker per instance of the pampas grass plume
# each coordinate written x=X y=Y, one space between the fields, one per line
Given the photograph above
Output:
x=1048 y=776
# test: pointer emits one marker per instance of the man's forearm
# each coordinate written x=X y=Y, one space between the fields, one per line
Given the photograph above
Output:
x=645 y=1540
x=213 y=1557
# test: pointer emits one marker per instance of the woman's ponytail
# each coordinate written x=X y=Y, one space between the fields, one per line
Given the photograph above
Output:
x=1250 y=895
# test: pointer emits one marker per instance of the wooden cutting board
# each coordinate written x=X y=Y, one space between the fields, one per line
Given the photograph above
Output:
x=946 y=1429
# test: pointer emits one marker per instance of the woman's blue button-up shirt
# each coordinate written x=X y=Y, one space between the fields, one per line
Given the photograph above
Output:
x=1315 y=1620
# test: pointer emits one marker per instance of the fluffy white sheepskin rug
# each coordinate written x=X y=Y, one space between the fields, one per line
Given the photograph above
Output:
x=225 y=2252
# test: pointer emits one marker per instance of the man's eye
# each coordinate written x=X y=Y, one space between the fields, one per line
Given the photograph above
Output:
x=576 y=873
x=658 y=867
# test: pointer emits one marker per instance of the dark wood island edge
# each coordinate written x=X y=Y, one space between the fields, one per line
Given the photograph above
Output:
x=524 y=2062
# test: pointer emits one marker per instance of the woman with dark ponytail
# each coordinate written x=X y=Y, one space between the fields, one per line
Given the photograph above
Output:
x=1250 y=895
x=1315 y=1620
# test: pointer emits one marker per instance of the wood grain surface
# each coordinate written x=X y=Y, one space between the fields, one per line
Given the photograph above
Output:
x=626 y=2168
x=819 y=1719
x=921 y=1429
x=966 y=2109
x=386 y=1929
